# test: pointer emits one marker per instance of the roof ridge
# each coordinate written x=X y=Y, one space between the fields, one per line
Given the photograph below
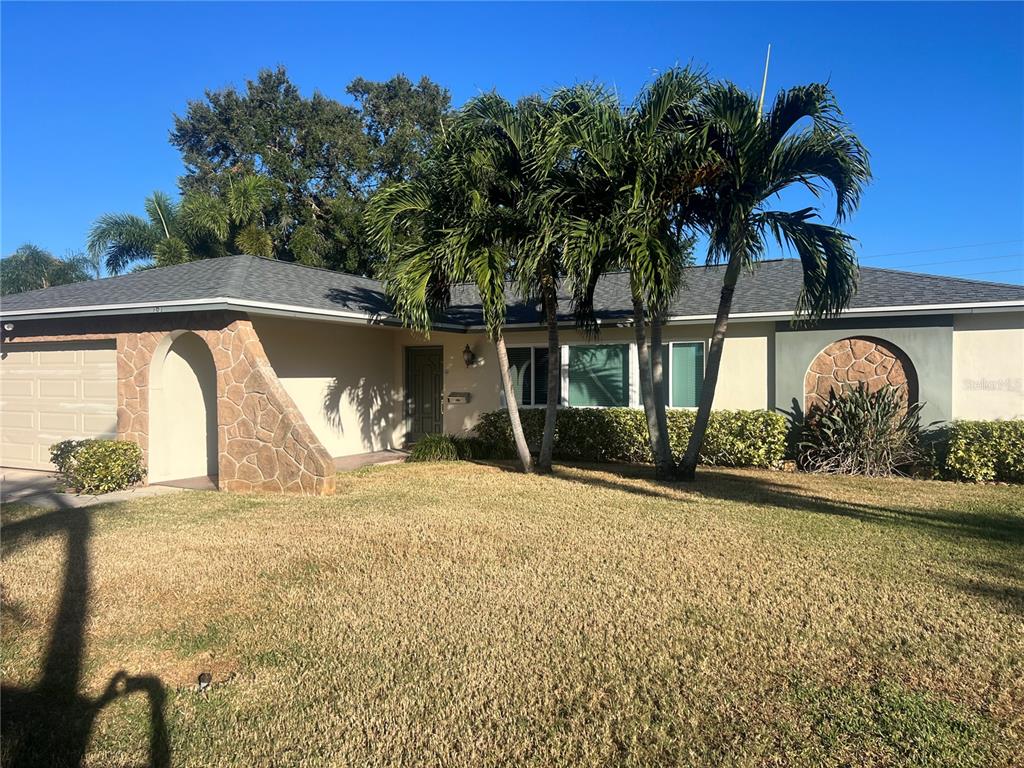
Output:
x=236 y=274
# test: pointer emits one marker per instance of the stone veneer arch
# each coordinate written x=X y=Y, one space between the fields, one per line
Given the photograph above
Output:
x=264 y=443
x=856 y=359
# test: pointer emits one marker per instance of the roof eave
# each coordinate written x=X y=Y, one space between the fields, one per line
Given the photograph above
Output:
x=385 y=319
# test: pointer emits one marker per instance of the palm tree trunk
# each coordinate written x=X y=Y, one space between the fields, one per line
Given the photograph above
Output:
x=666 y=466
x=688 y=466
x=547 y=445
x=513 y=406
x=647 y=388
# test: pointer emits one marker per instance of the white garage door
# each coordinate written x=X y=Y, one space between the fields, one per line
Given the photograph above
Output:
x=52 y=392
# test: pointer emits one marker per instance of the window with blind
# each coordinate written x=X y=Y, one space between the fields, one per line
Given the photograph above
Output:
x=599 y=375
x=529 y=369
x=683 y=367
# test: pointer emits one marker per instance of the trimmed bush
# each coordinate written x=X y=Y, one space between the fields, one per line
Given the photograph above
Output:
x=435 y=448
x=733 y=438
x=98 y=466
x=983 y=451
x=859 y=432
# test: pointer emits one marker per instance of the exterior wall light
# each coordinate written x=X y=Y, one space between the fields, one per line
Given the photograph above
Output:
x=10 y=327
x=469 y=356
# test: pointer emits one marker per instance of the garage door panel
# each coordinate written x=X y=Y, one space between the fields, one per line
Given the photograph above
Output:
x=57 y=388
x=56 y=358
x=99 y=425
x=17 y=388
x=97 y=390
x=50 y=393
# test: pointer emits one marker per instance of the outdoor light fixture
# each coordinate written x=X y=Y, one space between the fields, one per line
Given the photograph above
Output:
x=10 y=327
x=469 y=356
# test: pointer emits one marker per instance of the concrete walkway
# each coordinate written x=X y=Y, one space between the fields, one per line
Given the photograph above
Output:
x=27 y=486
x=360 y=460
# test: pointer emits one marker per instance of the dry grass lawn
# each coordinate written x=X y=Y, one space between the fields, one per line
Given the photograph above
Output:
x=464 y=615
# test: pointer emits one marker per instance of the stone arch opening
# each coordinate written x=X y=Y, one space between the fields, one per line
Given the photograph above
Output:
x=183 y=406
x=856 y=359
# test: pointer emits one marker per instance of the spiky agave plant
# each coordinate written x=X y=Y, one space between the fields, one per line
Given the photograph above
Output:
x=859 y=432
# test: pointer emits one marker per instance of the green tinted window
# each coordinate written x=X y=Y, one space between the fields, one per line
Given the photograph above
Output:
x=599 y=375
x=687 y=374
x=683 y=373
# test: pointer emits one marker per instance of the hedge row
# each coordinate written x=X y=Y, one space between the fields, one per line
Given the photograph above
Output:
x=733 y=438
x=983 y=451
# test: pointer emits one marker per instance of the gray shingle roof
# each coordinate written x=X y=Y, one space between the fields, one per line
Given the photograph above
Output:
x=772 y=288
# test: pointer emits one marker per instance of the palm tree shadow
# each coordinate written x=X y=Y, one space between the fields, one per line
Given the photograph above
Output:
x=50 y=723
x=1004 y=529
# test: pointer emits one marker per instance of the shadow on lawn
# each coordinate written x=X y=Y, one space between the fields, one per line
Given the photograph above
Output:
x=50 y=723
x=1003 y=528
x=1000 y=583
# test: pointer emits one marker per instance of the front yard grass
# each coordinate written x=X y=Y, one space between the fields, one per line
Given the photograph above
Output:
x=465 y=615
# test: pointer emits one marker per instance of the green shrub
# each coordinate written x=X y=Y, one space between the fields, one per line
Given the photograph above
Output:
x=986 y=450
x=435 y=448
x=858 y=432
x=98 y=466
x=733 y=438
x=62 y=454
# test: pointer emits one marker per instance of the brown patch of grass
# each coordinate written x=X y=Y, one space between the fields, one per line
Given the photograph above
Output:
x=468 y=615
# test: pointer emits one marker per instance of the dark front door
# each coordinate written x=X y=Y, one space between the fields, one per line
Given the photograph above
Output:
x=424 y=387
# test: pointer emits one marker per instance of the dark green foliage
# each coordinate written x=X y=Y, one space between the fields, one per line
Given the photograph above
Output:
x=735 y=438
x=30 y=268
x=986 y=450
x=98 y=466
x=62 y=454
x=859 y=432
x=320 y=158
x=435 y=448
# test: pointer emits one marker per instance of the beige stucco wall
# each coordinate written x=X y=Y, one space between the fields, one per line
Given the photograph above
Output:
x=342 y=379
x=183 y=411
x=988 y=366
x=742 y=384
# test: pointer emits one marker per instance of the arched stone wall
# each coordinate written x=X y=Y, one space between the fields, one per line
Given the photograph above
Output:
x=859 y=359
x=263 y=441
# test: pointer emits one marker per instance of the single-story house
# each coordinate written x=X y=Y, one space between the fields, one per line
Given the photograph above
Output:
x=261 y=372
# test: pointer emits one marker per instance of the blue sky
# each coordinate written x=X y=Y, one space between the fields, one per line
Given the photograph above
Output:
x=936 y=92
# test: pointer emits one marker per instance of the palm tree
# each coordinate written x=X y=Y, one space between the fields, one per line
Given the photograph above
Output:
x=449 y=226
x=123 y=239
x=532 y=171
x=754 y=160
x=636 y=170
x=30 y=268
x=237 y=218
x=201 y=226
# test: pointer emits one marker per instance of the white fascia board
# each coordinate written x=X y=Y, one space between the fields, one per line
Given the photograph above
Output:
x=363 y=318
x=200 y=305
x=908 y=310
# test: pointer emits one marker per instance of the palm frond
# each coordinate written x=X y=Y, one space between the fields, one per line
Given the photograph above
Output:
x=205 y=215
x=255 y=241
x=122 y=239
x=826 y=255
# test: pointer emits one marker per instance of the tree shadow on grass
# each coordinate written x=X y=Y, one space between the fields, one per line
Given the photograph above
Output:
x=50 y=723
x=1003 y=583
x=767 y=491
